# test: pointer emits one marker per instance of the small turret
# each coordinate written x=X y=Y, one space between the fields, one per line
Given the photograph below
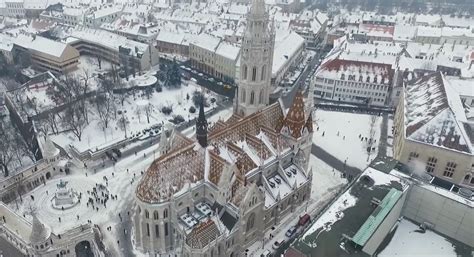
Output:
x=201 y=126
x=40 y=234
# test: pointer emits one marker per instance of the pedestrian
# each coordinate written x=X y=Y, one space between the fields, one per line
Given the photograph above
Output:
x=59 y=219
x=323 y=133
x=118 y=242
x=344 y=138
x=77 y=217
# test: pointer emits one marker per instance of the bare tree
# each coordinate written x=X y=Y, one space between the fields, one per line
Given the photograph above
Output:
x=74 y=121
x=123 y=124
x=105 y=108
x=138 y=112
x=148 y=110
x=13 y=148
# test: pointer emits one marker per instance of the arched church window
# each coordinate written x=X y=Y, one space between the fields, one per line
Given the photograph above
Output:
x=262 y=75
x=244 y=72
x=260 y=97
x=254 y=73
x=250 y=222
x=155 y=215
x=147 y=214
x=243 y=95
x=252 y=97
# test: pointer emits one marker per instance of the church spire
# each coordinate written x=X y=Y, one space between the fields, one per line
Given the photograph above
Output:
x=201 y=125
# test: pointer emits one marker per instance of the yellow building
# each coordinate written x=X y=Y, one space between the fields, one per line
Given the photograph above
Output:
x=432 y=133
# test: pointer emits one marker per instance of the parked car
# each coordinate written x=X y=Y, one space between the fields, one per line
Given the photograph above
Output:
x=266 y=253
x=277 y=244
x=304 y=220
x=291 y=231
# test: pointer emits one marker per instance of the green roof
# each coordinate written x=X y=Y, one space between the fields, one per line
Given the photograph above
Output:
x=376 y=218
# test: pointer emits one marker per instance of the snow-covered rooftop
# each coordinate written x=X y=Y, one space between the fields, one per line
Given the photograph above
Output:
x=435 y=115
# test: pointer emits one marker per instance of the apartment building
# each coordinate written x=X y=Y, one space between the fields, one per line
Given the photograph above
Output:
x=354 y=82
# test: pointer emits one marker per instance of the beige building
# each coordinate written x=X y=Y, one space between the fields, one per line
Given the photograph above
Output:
x=47 y=54
x=114 y=48
x=214 y=56
x=432 y=133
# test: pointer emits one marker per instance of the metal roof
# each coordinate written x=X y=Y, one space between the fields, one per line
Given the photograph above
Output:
x=376 y=218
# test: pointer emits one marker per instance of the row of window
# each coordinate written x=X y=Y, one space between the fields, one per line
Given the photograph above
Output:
x=361 y=78
x=361 y=92
x=156 y=215
x=157 y=230
x=252 y=96
x=431 y=163
x=362 y=85
x=263 y=71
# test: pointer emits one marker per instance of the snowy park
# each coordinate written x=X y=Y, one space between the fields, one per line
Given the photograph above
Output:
x=347 y=136
x=139 y=114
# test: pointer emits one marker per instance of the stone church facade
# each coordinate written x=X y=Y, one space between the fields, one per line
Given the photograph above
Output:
x=217 y=194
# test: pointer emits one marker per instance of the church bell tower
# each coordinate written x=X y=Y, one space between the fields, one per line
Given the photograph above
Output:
x=254 y=80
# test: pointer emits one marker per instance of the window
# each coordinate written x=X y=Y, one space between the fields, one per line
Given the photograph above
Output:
x=254 y=73
x=252 y=97
x=260 y=97
x=155 y=215
x=262 y=75
x=243 y=95
x=165 y=213
x=250 y=221
x=157 y=230
x=148 y=229
x=166 y=228
x=431 y=164
x=413 y=155
x=147 y=214
x=244 y=72
x=449 y=170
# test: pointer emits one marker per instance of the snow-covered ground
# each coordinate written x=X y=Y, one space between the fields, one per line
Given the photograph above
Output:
x=134 y=110
x=407 y=243
x=122 y=184
x=341 y=135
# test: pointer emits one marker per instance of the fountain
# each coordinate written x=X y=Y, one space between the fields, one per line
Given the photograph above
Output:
x=65 y=197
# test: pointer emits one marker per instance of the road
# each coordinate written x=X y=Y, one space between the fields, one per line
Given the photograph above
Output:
x=288 y=97
x=8 y=250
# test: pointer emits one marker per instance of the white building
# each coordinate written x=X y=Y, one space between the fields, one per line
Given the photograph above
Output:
x=103 y=15
x=113 y=48
x=354 y=82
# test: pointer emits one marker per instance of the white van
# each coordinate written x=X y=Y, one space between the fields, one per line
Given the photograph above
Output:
x=266 y=253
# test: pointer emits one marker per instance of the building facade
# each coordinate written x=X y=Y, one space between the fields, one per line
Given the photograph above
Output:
x=354 y=82
x=256 y=62
x=431 y=132
x=238 y=173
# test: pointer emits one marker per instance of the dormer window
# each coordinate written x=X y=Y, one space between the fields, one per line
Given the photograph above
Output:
x=343 y=76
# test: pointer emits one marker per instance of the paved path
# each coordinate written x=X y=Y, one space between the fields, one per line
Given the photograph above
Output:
x=383 y=136
x=332 y=161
